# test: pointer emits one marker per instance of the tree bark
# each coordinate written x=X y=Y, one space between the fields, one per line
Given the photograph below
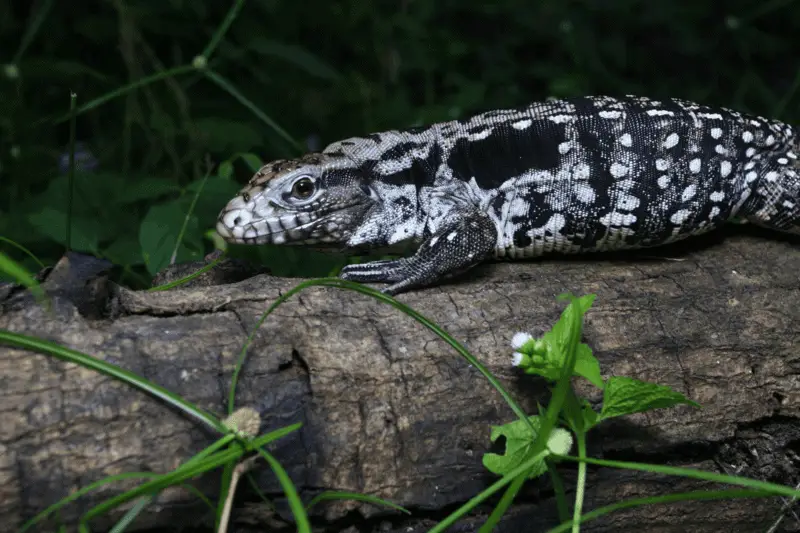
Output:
x=391 y=410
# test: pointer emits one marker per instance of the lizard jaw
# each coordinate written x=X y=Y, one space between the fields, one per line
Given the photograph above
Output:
x=240 y=226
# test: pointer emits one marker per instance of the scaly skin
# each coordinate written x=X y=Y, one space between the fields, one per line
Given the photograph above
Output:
x=570 y=176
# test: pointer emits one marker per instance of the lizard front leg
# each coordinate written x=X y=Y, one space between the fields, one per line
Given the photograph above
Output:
x=468 y=239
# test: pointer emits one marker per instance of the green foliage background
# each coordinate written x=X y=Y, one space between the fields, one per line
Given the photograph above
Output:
x=321 y=71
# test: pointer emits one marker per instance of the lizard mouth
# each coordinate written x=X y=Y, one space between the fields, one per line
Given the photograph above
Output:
x=239 y=227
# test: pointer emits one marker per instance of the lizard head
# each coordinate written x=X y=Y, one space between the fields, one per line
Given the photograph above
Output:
x=317 y=198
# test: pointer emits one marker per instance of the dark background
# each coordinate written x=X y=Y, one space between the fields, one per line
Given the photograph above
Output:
x=319 y=71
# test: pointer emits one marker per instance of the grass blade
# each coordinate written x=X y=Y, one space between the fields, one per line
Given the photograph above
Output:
x=22 y=249
x=504 y=504
x=295 y=504
x=691 y=473
x=80 y=492
x=187 y=471
x=233 y=12
x=125 y=89
x=108 y=369
x=669 y=498
x=23 y=277
x=228 y=87
x=486 y=493
x=32 y=30
x=131 y=515
x=357 y=287
x=188 y=216
x=177 y=282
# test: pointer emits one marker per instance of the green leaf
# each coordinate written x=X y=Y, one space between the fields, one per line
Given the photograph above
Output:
x=214 y=194
x=572 y=314
x=159 y=232
x=624 y=396
x=295 y=55
x=590 y=417
x=587 y=366
x=548 y=362
x=519 y=439
x=225 y=170
x=252 y=161
x=53 y=223
x=223 y=135
x=146 y=188
x=125 y=251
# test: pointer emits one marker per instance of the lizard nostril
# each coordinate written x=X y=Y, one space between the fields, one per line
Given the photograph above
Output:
x=237 y=221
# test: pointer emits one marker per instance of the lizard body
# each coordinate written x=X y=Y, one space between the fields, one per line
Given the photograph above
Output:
x=571 y=176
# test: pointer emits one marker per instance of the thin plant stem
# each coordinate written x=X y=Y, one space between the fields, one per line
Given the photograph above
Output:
x=581 y=486
x=125 y=89
x=73 y=99
x=233 y=12
x=32 y=30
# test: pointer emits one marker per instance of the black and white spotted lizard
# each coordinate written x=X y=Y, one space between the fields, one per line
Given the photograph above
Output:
x=570 y=176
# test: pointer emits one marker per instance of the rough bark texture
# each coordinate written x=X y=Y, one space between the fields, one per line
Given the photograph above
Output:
x=391 y=410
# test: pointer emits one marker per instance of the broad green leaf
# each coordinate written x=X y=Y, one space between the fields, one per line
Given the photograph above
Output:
x=159 y=232
x=252 y=161
x=569 y=315
x=215 y=193
x=125 y=251
x=223 y=135
x=53 y=224
x=146 y=188
x=587 y=366
x=624 y=396
x=549 y=361
x=519 y=439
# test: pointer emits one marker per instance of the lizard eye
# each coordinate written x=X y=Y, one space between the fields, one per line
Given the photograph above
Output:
x=303 y=188
x=246 y=197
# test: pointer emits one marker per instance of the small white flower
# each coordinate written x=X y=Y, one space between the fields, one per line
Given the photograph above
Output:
x=519 y=339
x=517 y=360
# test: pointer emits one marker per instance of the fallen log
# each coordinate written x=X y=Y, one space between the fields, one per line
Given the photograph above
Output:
x=389 y=409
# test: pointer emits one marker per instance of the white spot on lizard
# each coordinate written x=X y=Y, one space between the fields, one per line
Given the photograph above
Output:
x=671 y=140
x=618 y=170
x=680 y=216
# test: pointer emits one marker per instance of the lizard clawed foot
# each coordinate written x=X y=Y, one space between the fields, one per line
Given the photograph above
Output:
x=383 y=271
x=455 y=248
